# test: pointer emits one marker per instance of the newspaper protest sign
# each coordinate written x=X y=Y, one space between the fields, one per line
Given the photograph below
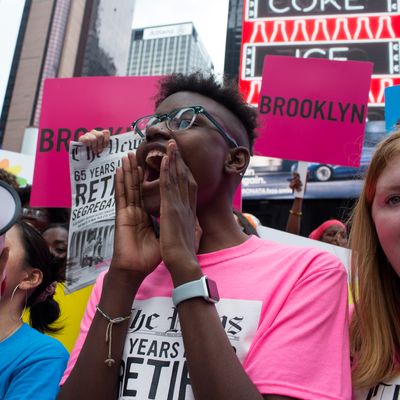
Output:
x=91 y=230
x=313 y=109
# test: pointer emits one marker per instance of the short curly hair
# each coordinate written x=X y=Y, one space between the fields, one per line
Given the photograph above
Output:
x=226 y=94
x=9 y=178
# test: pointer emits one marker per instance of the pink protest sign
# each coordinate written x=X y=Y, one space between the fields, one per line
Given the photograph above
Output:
x=313 y=109
x=73 y=106
x=237 y=199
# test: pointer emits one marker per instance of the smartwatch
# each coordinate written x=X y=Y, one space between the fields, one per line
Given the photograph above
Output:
x=203 y=287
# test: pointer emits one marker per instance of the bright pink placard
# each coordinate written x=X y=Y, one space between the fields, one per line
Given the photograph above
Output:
x=237 y=199
x=72 y=106
x=313 y=109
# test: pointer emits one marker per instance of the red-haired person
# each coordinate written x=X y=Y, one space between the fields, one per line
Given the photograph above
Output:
x=375 y=272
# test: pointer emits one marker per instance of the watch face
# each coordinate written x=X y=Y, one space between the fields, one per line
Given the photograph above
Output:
x=212 y=290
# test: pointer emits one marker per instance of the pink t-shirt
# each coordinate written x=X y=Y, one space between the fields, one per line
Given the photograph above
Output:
x=284 y=310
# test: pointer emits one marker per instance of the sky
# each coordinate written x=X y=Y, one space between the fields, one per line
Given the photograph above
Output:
x=209 y=17
x=10 y=17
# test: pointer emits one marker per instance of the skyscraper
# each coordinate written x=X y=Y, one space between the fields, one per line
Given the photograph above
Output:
x=233 y=39
x=161 y=50
x=61 y=38
x=104 y=42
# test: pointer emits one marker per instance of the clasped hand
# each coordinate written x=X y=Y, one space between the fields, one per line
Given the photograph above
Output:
x=136 y=247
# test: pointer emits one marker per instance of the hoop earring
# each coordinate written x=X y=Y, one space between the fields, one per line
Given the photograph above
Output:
x=13 y=292
x=26 y=301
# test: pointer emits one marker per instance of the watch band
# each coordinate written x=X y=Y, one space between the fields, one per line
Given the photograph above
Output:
x=189 y=290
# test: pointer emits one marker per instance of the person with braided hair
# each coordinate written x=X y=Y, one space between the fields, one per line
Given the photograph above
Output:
x=31 y=363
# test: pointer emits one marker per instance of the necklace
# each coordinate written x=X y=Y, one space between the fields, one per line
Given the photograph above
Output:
x=11 y=333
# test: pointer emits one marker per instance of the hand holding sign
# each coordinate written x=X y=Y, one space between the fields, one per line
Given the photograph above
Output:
x=300 y=179
x=96 y=140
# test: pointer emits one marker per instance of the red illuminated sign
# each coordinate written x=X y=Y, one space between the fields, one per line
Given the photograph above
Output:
x=361 y=27
x=284 y=8
x=384 y=54
x=334 y=29
x=251 y=89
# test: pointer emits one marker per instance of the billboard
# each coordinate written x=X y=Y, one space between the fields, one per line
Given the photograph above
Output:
x=357 y=30
x=291 y=8
x=268 y=178
x=159 y=32
x=342 y=30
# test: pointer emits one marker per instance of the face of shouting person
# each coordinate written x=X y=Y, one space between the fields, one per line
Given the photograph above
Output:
x=207 y=142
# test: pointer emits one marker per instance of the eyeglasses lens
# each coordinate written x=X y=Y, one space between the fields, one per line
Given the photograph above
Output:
x=33 y=213
x=182 y=119
x=144 y=123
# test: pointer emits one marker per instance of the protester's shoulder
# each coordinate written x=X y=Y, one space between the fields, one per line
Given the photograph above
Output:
x=100 y=278
x=43 y=345
x=99 y=281
x=308 y=257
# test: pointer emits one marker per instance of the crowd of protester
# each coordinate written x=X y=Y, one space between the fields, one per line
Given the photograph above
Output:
x=257 y=319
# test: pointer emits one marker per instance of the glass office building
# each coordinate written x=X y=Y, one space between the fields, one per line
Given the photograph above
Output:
x=162 y=50
x=233 y=39
x=104 y=42
x=57 y=39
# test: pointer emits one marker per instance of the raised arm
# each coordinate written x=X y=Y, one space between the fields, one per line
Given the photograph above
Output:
x=136 y=254
x=295 y=213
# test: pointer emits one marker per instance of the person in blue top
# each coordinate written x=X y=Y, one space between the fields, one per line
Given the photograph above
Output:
x=31 y=363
